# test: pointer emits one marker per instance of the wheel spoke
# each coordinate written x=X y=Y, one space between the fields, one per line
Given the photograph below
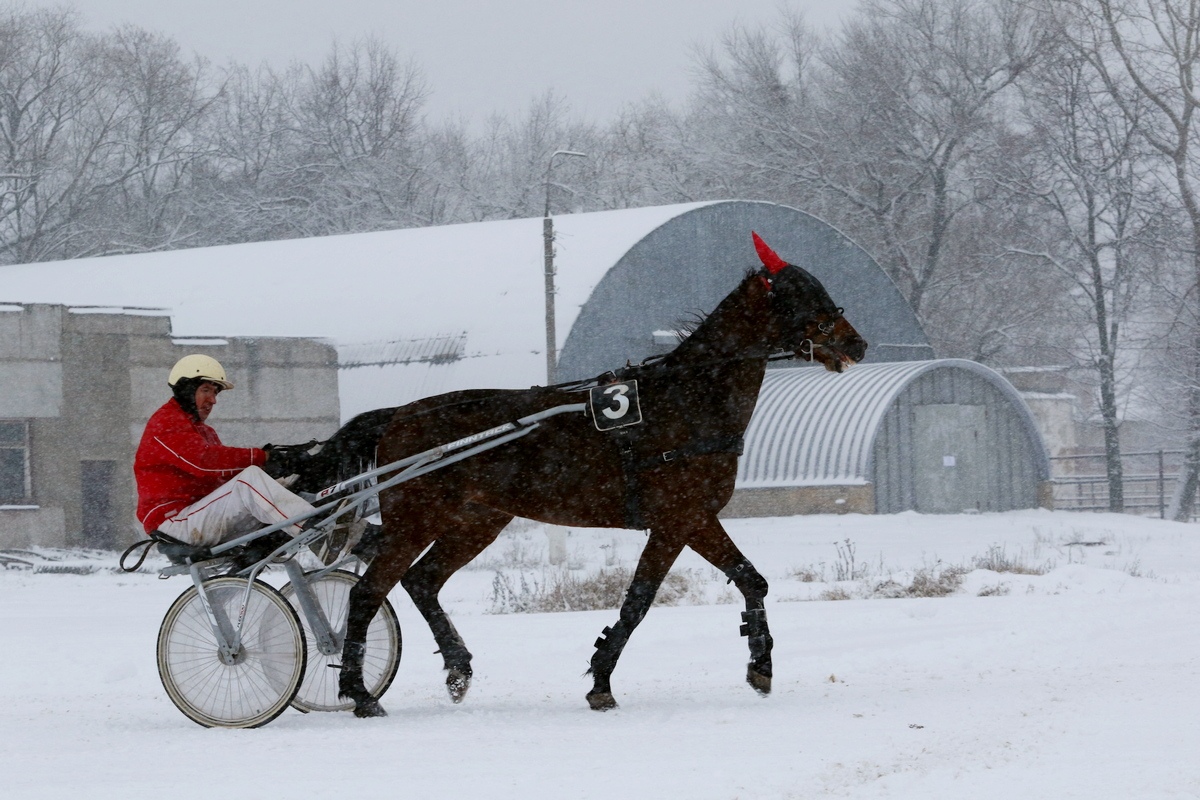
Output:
x=319 y=690
x=266 y=672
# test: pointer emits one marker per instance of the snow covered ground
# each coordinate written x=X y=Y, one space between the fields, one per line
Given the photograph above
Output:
x=1083 y=681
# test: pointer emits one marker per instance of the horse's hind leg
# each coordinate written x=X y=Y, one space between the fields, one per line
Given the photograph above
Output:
x=365 y=598
x=400 y=545
x=656 y=560
x=714 y=545
x=474 y=528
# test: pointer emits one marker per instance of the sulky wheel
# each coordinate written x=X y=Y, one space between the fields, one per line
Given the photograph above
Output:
x=319 y=690
x=243 y=689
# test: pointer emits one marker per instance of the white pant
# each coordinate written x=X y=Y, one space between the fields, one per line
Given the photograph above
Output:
x=251 y=500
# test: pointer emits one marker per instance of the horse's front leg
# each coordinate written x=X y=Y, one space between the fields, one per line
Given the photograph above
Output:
x=656 y=561
x=713 y=544
x=753 y=587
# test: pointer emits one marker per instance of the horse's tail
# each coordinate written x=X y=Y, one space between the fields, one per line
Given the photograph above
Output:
x=347 y=453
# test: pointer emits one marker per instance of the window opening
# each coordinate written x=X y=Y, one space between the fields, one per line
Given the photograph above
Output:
x=14 y=462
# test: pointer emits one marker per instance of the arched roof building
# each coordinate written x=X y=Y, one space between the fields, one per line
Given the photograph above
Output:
x=420 y=311
x=931 y=436
x=687 y=265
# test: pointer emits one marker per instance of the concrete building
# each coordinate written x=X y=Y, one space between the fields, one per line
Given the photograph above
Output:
x=77 y=385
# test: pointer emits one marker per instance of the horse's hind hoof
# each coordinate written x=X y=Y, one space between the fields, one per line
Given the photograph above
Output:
x=458 y=681
x=758 y=682
x=365 y=709
x=601 y=701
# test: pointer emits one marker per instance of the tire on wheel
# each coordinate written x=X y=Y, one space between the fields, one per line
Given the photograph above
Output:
x=258 y=683
x=319 y=689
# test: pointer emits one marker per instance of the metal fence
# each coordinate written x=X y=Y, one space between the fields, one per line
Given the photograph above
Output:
x=1150 y=477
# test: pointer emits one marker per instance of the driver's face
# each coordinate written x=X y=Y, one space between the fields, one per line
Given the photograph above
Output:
x=206 y=398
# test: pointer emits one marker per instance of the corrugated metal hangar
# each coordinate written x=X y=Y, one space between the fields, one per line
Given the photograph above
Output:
x=942 y=436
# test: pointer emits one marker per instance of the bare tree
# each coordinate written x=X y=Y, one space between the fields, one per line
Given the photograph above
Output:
x=509 y=162
x=49 y=155
x=97 y=136
x=1083 y=168
x=915 y=88
x=355 y=119
x=1148 y=53
x=162 y=103
x=315 y=151
x=238 y=193
x=754 y=115
x=648 y=156
x=882 y=132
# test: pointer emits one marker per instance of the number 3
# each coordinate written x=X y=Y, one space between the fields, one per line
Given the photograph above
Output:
x=621 y=407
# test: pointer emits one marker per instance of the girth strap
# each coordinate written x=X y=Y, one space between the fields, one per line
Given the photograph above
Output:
x=632 y=467
x=717 y=444
x=633 y=491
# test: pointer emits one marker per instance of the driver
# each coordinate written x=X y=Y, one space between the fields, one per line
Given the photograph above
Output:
x=195 y=489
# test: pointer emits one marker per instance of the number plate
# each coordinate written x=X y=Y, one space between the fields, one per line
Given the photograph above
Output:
x=616 y=406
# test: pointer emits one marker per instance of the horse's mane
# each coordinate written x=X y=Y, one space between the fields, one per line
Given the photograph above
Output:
x=686 y=326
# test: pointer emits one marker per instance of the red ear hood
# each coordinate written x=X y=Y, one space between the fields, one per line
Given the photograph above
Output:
x=770 y=260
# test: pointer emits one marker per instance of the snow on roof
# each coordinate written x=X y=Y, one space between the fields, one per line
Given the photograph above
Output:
x=118 y=310
x=437 y=350
x=416 y=284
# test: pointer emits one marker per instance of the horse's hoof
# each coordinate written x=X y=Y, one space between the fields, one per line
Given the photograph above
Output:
x=458 y=682
x=758 y=682
x=365 y=709
x=601 y=701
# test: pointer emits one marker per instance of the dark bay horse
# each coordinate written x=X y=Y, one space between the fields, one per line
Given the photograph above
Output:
x=669 y=474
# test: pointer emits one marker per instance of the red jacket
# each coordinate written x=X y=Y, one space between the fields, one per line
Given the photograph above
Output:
x=180 y=460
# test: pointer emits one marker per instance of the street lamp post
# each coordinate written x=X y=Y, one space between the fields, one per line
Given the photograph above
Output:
x=548 y=243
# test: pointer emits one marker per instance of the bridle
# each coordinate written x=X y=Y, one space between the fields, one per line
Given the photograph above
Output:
x=807 y=347
x=827 y=327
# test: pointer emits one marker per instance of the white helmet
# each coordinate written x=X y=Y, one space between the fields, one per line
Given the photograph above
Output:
x=199 y=366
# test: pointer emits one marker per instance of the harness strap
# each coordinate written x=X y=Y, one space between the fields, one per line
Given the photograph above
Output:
x=632 y=467
x=633 y=492
x=145 y=545
x=159 y=538
x=718 y=444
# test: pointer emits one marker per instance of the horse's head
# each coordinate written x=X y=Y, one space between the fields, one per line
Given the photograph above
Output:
x=806 y=321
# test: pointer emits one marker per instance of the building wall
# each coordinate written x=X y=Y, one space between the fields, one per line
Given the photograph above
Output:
x=787 y=501
x=934 y=436
x=1057 y=417
x=31 y=392
x=86 y=381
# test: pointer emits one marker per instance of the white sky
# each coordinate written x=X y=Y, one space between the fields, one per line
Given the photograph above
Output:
x=478 y=56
